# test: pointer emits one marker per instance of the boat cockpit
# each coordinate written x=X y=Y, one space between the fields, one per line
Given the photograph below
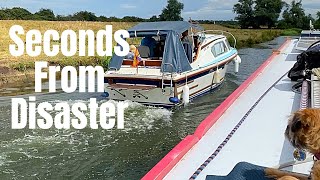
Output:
x=151 y=49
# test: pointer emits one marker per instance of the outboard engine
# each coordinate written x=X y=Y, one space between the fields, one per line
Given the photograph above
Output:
x=306 y=61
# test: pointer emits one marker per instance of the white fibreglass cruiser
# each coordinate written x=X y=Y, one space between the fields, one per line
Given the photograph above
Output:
x=173 y=70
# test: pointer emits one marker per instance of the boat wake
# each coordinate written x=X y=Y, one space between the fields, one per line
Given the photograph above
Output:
x=45 y=148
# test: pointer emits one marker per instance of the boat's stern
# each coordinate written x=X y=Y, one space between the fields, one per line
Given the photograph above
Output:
x=147 y=87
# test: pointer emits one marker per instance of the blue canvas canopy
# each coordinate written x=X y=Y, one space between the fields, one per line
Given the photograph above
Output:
x=161 y=28
x=174 y=53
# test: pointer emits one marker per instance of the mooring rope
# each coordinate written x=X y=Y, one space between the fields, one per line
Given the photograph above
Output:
x=216 y=152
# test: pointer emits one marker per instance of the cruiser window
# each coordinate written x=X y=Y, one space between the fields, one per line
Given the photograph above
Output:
x=228 y=44
x=219 y=48
x=150 y=50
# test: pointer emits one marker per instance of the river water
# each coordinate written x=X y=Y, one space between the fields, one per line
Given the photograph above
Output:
x=149 y=134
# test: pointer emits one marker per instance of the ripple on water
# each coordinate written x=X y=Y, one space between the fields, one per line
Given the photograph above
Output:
x=57 y=147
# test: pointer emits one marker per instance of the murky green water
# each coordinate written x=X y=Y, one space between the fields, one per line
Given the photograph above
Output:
x=149 y=134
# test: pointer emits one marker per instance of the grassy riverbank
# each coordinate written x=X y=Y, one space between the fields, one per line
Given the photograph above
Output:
x=20 y=69
x=247 y=37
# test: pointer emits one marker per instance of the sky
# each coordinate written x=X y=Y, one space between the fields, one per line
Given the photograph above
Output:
x=196 y=9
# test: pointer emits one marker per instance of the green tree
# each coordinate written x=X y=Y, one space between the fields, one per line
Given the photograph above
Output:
x=132 y=19
x=317 y=22
x=114 y=19
x=294 y=15
x=15 y=13
x=64 y=18
x=267 y=12
x=3 y=15
x=85 y=16
x=245 y=13
x=306 y=21
x=154 y=19
x=45 y=14
x=102 y=19
x=172 y=12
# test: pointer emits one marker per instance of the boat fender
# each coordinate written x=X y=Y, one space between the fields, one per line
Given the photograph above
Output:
x=105 y=94
x=239 y=59
x=217 y=76
x=237 y=62
x=174 y=100
x=186 y=94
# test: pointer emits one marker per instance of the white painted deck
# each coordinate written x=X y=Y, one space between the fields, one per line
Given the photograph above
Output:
x=260 y=139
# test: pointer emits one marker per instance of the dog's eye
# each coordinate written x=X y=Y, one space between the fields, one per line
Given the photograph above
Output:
x=296 y=126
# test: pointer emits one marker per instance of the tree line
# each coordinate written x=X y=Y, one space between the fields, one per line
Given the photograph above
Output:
x=250 y=14
x=266 y=13
x=172 y=12
x=18 y=13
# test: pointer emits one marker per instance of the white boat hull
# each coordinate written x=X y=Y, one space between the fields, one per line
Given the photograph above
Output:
x=156 y=96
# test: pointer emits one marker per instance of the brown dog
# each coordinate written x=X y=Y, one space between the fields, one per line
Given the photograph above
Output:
x=303 y=131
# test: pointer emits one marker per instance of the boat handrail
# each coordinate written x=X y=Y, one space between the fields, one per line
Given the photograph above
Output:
x=222 y=33
x=171 y=77
x=309 y=37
